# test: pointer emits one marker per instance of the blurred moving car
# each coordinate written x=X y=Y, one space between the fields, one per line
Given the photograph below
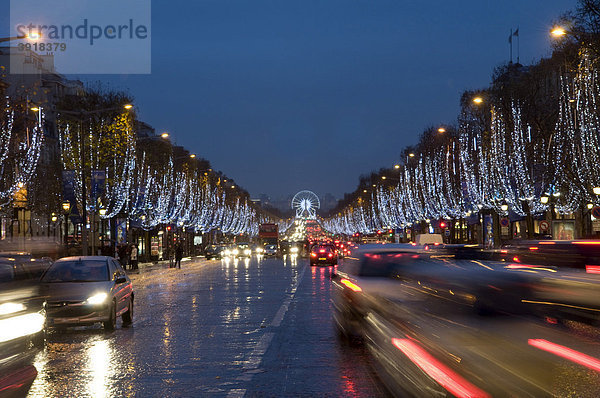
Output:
x=22 y=333
x=86 y=290
x=35 y=267
x=323 y=254
x=271 y=251
x=569 y=288
x=420 y=315
x=214 y=251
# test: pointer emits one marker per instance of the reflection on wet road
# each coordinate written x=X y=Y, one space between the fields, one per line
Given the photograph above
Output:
x=259 y=327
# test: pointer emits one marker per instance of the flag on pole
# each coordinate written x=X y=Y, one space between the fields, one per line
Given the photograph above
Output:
x=516 y=33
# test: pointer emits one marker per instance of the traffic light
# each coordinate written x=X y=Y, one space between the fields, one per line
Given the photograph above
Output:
x=443 y=224
x=391 y=232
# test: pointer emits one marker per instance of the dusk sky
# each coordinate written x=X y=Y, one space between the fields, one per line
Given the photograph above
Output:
x=291 y=95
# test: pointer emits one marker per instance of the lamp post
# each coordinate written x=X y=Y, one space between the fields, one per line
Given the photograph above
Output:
x=67 y=209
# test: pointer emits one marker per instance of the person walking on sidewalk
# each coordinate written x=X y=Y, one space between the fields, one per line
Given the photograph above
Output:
x=178 y=255
x=134 y=259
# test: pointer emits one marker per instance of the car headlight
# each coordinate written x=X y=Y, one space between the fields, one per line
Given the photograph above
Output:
x=259 y=250
x=98 y=298
x=235 y=251
x=294 y=250
x=247 y=251
x=9 y=308
x=22 y=325
x=227 y=252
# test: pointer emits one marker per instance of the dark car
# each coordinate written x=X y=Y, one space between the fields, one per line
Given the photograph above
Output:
x=214 y=251
x=323 y=254
x=22 y=319
x=271 y=251
x=87 y=290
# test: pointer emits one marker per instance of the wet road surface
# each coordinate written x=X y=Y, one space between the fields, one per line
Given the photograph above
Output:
x=254 y=328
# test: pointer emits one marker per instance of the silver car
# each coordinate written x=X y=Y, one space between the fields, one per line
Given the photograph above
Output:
x=87 y=290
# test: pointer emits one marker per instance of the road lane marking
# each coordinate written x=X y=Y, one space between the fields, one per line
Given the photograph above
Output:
x=256 y=356
x=236 y=392
x=286 y=303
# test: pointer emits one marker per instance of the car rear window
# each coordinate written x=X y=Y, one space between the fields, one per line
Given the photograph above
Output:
x=385 y=264
x=77 y=271
x=327 y=249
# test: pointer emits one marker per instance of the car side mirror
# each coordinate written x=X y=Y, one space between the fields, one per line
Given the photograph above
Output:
x=120 y=279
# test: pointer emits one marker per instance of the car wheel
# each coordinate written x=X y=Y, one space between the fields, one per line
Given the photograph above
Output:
x=111 y=323
x=127 y=317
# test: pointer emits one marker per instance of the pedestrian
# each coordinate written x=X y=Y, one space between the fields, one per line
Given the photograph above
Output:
x=133 y=256
x=178 y=255
x=122 y=252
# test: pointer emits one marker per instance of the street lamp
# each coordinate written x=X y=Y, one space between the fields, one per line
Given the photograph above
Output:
x=558 y=31
x=165 y=135
x=478 y=100
x=412 y=155
x=504 y=207
x=441 y=130
x=596 y=190
x=67 y=208
x=544 y=199
x=396 y=166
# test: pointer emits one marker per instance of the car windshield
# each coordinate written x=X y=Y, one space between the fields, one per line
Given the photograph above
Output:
x=242 y=246
x=77 y=271
x=271 y=247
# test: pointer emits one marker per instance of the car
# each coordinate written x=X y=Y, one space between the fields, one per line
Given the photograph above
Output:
x=87 y=290
x=22 y=332
x=271 y=251
x=242 y=250
x=35 y=267
x=214 y=251
x=323 y=254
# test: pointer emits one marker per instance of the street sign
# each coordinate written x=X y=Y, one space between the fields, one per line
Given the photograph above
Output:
x=544 y=225
x=505 y=222
x=596 y=212
x=447 y=232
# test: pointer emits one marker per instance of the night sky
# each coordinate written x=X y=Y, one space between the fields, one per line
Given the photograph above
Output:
x=289 y=95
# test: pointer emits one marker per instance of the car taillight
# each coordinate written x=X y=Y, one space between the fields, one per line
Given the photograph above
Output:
x=322 y=251
x=592 y=269
x=443 y=375
x=313 y=254
x=330 y=255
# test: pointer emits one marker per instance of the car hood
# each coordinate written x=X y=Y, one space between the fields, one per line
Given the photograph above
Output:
x=74 y=291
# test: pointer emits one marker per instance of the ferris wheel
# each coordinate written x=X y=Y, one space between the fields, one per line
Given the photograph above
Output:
x=306 y=204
